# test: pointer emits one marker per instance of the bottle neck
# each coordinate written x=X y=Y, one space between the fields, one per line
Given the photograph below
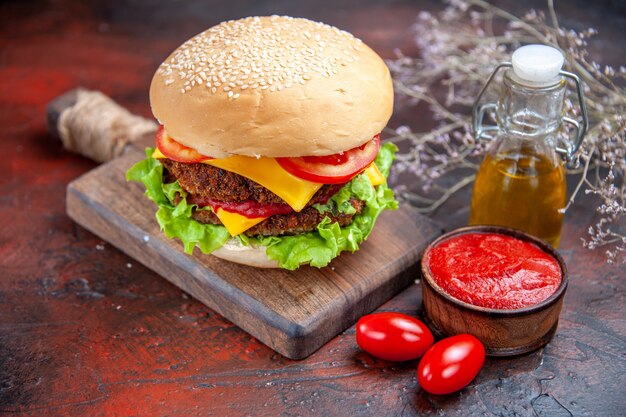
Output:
x=530 y=112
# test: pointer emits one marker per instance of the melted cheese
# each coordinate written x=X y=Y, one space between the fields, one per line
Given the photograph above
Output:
x=236 y=223
x=265 y=171
x=158 y=154
x=376 y=178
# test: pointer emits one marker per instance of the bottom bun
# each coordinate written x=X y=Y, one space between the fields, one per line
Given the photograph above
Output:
x=234 y=251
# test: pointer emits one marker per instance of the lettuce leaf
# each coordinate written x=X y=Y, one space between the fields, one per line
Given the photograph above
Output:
x=175 y=220
x=315 y=248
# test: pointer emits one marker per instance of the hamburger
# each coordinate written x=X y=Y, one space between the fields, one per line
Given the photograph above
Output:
x=268 y=151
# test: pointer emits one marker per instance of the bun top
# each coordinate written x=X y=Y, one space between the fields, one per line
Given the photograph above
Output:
x=272 y=86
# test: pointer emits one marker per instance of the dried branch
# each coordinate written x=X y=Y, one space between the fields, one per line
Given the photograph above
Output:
x=459 y=49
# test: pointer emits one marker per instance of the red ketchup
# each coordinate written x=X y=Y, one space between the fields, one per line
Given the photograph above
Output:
x=252 y=209
x=248 y=208
x=494 y=271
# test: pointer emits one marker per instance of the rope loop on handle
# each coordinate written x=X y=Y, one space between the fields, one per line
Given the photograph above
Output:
x=98 y=128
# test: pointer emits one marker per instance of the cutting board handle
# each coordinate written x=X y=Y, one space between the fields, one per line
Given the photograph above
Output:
x=93 y=125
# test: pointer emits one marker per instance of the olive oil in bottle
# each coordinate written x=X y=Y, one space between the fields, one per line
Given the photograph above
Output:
x=525 y=192
x=521 y=181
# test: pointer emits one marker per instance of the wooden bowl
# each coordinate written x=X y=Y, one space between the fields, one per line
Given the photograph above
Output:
x=503 y=332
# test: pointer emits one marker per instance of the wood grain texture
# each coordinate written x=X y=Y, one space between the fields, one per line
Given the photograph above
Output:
x=502 y=332
x=501 y=336
x=293 y=312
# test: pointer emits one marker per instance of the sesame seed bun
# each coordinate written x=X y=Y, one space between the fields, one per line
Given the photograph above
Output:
x=272 y=86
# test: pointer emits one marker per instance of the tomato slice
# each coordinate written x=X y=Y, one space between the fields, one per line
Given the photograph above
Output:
x=253 y=209
x=332 y=169
x=248 y=208
x=176 y=151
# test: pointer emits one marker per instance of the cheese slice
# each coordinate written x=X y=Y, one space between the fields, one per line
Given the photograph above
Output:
x=376 y=178
x=236 y=223
x=372 y=171
x=266 y=171
x=157 y=154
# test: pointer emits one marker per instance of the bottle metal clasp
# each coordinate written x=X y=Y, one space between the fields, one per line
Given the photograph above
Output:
x=482 y=131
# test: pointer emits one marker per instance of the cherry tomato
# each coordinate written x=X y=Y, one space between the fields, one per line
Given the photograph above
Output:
x=176 y=151
x=332 y=169
x=451 y=364
x=393 y=336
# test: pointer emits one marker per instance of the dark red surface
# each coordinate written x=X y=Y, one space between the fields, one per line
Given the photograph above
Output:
x=84 y=330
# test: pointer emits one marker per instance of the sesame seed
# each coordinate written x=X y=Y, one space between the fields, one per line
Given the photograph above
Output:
x=267 y=53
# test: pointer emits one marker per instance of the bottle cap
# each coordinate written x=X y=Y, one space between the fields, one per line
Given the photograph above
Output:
x=538 y=65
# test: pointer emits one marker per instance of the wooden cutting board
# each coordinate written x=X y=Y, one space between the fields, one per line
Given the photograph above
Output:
x=293 y=312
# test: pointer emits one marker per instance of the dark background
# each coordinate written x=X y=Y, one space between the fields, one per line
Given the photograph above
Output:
x=84 y=330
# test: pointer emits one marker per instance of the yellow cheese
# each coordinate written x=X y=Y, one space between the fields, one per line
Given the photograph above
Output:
x=236 y=223
x=376 y=178
x=158 y=154
x=265 y=171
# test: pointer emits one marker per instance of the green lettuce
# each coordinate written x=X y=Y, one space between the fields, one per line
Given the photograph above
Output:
x=175 y=220
x=315 y=248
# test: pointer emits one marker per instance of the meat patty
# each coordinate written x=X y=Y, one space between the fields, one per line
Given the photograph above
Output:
x=287 y=224
x=215 y=183
x=202 y=181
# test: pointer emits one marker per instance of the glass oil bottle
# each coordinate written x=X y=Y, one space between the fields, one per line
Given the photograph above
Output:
x=521 y=182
